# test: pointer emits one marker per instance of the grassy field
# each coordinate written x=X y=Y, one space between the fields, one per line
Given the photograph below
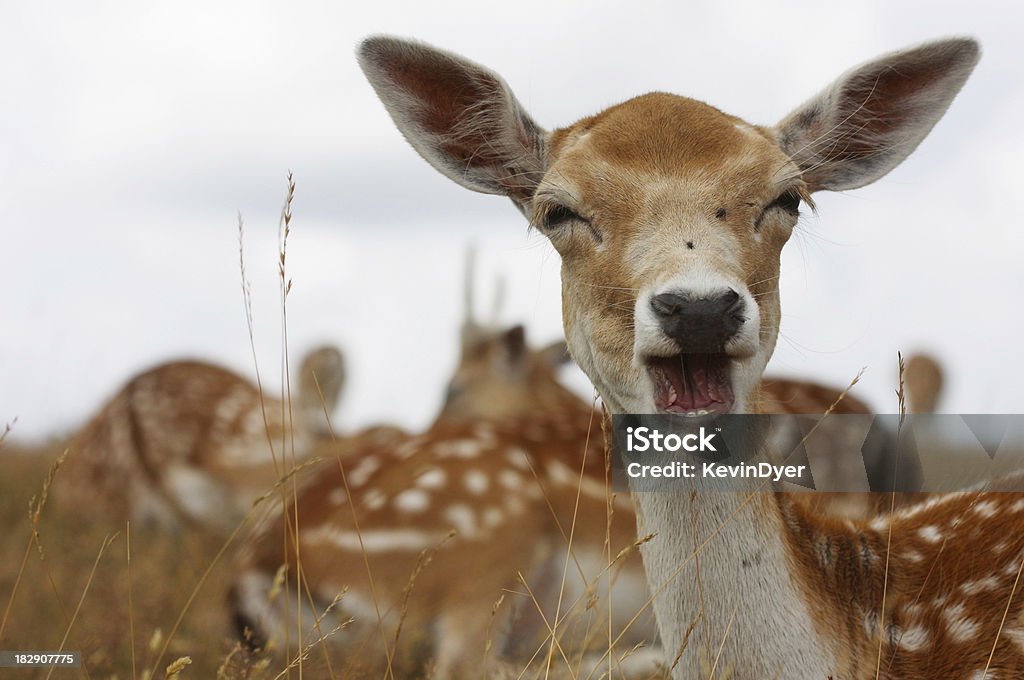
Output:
x=73 y=587
x=141 y=606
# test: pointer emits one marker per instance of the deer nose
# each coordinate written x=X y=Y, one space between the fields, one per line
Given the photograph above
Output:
x=699 y=324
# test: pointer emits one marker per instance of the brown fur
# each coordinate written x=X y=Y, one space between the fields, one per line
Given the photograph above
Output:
x=191 y=442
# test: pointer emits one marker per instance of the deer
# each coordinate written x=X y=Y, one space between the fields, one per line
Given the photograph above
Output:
x=189 y=442
x=517 y=502
x=510 y=478
x=498 y=374
x=669 y=216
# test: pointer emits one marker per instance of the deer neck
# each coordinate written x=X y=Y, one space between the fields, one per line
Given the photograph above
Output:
x=725 y=567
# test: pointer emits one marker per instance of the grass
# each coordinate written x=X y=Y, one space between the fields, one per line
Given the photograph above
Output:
x=80 y=591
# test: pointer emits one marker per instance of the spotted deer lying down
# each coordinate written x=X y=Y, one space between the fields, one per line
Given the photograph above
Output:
x=669 y=216
x=491 y=502
x=192 y=442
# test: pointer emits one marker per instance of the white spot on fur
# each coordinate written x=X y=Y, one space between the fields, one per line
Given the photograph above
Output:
x=337 y=497
x=930 y=533
x=198 y=494
x=382 y=540
x=981 y=585
x=985 y=508
x=880 y=524
x=485 y=432
x=407 y=448
x=412 y=500
x=1016 y=635
x=564 y=475
x=493 y=517
x=512 y=481
x=913 y=556
x=533 y=491
x=929 y=505
x=363 y=470
x=958 y=626
x=459 y=448
x=434 y=478
x=518 y=457
x=462 y=519
x=374 y=499
x=476 y=482
x=914 y=638
x=1018 y=506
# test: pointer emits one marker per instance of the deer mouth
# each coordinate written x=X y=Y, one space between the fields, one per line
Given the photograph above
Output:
x=692 y=384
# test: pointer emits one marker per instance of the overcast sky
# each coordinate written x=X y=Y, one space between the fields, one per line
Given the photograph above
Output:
x=131 y=135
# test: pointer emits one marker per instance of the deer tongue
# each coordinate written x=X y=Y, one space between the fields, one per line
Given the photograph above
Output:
x=691 y=383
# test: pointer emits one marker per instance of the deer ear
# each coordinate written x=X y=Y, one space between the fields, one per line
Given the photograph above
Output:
x=461 y=117
x=872 y=117
x=514 y=341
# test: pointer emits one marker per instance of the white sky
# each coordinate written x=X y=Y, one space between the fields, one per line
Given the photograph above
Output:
x=131 y=134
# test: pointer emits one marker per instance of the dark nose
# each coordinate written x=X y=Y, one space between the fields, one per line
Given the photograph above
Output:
x=699 y=324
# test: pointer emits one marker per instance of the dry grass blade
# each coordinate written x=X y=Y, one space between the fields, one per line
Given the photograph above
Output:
x=78 y=607
x=718 y=655
x=174 y=669
x=195 y=592
x=888 y=536
x=7 y=430
x=422 y=561
x=36 y=505
x=551 y=635
x=685 y=643
x=303 y=653
x=569 y=548
x=490 y=624
x=131 y=608
x=1002 y=622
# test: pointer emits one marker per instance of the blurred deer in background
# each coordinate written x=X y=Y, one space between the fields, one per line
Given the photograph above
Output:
x=489 y=492
x=191 y=442
x=922 y=377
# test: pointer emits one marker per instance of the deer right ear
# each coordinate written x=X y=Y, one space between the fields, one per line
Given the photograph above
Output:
x=875 y=115
x=461 y=117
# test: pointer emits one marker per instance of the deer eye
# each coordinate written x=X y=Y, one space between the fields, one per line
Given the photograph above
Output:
x=788 y=202
x=556 y=216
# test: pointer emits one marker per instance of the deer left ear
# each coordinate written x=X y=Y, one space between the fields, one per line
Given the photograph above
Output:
x=460 y=116
x=874 y=116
